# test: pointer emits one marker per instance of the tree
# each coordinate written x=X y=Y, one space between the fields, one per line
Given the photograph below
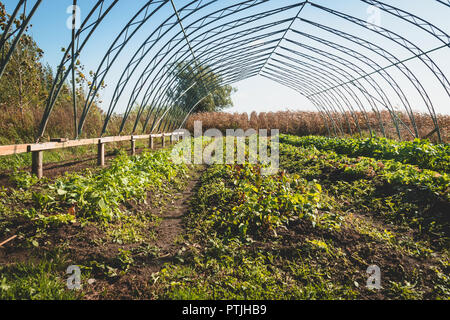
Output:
x=24 y=90
x=21 y=83
x=195 y=84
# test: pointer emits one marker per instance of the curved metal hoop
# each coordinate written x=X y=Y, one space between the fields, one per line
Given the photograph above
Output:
x=243 y=39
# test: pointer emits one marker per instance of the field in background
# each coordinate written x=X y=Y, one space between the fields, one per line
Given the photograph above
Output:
x=304 y=123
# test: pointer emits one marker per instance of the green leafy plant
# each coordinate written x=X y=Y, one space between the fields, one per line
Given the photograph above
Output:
x=417 y=152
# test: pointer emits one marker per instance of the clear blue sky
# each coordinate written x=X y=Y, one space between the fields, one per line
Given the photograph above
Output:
x=259 y=94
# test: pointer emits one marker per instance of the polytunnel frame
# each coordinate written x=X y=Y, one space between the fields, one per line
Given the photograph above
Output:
x=300 y=4
x=126 y=73
x=186 y=52
x=327 y=100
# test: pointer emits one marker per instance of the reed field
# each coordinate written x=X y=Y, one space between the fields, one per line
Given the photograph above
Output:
x=304 y=123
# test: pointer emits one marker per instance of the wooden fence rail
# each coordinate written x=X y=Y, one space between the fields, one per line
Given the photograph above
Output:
x=38 y=149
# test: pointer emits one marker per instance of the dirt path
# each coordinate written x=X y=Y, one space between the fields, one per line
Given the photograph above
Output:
x=171 y=226
x=168 y=240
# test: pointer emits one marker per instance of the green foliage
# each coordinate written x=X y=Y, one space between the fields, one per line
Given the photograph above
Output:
x=406 y=291
x=15 y=161
x=23 y=180
x=401 y=193
x=390 y=171
x=100 y=196
x=125 y=259
x=231 y=272
x=422 y=153
x=186 y=75
x=307 y=232
x=234 y=208
x=43 y=280
x=245 y=203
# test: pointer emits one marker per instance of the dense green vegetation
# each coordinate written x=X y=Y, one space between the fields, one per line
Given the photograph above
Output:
x=233 y=244
x=422 y=153
x=310 y=231
x=112 y=200
x=417 y=197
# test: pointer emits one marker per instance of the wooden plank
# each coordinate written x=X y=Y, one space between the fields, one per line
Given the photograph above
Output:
x=141 y=137
x=24 y=148
x=115 y=139
x=61 y=145
x=13 y=149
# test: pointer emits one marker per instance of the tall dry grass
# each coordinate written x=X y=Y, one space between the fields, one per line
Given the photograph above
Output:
x=17 y=127
x=21 y=127
x=304 y=123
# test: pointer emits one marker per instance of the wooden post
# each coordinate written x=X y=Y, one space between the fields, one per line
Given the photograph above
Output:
x=37 y=163
x=172 y=138
x=133 y=147
x=152 y=142
x=163 y=141
x=101 y=154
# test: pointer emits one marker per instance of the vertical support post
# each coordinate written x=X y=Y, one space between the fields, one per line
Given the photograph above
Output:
x=74 y=92
x=37 y=163
x=133 y=146
x=152 y=143
x=172 y=138
x=101 y=154
x=163 y=141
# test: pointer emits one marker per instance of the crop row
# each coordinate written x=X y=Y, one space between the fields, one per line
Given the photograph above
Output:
x=291 y=236
x=398 y=193
x=418 y=152
x=98 y=196
x=246 y=203
x=391 y=171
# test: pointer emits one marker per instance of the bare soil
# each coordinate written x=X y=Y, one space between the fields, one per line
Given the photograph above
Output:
x=168 y=239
